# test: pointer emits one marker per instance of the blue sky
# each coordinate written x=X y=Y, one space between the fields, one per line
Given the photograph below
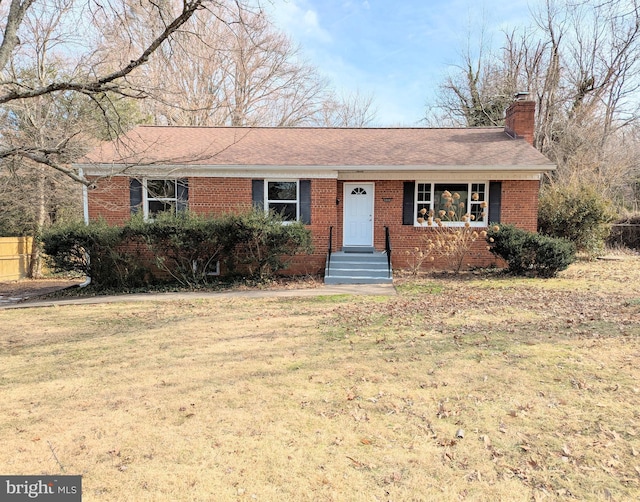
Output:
x=397 y=50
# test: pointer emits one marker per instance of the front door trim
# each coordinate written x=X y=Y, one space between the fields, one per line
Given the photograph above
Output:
x=358 y=215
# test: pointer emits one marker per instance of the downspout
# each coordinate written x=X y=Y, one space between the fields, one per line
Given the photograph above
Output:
x=85 y=210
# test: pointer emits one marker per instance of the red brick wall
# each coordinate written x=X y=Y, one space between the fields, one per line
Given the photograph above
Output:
x=219 y=195
x=323 y=216
x=520 y=119
x=405 y=238
x=110 y=200
x=520 y=204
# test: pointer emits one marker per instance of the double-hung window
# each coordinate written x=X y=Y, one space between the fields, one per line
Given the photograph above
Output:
x=157 y=196
x=291 y=199
x=282 y=197
x=451 y=204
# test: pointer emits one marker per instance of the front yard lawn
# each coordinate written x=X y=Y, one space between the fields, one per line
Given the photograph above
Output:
x=471 y=388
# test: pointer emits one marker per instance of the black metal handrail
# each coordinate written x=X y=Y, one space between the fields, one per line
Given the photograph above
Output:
x=387 y=248
x=330 y=247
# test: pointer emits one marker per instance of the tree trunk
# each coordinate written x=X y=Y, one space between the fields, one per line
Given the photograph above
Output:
x=35 y=261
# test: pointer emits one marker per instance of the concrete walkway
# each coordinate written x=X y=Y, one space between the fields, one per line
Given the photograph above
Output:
x=326 y=290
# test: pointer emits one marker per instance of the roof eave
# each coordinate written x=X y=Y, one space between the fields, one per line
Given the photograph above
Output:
x=317 y=171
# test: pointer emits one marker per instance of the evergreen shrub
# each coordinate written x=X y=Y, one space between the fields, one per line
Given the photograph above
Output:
x=186 y=248
x=529 y=253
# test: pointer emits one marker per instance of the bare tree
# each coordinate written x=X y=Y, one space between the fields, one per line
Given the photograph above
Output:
x=590 y=91
x=580 y=62
x=85 y=74
x=477 y=91
x=56 y=94
x=347 y=110
x=31 y=191
x=267 y=81
x=241 y=72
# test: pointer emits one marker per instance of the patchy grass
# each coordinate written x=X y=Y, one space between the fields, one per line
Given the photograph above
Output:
x=483 y=388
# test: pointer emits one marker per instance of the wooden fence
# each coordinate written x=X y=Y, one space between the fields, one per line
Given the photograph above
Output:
x=14 y=257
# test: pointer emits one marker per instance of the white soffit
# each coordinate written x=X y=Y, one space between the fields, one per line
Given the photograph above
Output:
x=357 y=173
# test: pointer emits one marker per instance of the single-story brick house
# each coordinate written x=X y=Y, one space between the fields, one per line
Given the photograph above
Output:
x=350 y=184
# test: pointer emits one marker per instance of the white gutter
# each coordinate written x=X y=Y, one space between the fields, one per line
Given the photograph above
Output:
x=85 y=198
x=311 y=171
x=85 y=210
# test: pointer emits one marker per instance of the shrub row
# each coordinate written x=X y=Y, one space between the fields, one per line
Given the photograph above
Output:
x=530 y=253
x=186 y=248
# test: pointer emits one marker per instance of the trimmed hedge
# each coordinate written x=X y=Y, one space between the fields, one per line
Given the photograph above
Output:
x=95 y=250
x=530 y=253
x=264 y=243
x=185 y=248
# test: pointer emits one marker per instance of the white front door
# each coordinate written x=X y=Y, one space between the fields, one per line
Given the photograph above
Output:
x=358 y=214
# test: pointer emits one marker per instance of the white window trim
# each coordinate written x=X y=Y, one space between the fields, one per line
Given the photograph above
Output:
x=433 y=184
x=296 y=202
x=212 y=273
x=146 y=198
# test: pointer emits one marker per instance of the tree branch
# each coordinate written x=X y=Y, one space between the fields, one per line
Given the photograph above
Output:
x=17 y=11
x=105 y=83
x=43 y=158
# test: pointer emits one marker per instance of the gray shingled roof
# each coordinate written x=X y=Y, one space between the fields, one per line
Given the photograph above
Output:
x=228 y=146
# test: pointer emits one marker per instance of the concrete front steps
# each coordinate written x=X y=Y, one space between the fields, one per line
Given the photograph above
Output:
x=358 y=266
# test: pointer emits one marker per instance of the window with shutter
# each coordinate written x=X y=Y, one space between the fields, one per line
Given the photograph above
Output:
x=155 y=196
x=450 y=204
x=291 y=199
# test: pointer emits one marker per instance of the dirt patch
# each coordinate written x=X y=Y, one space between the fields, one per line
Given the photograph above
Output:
x=26 y=289
x=32 y=288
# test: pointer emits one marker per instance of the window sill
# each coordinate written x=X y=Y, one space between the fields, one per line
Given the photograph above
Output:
x=452 y=225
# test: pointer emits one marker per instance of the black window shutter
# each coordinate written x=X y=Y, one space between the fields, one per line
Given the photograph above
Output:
x=257 y=193
x=305 y=201
x=495 y=201
x=135 y=195
x=183 y=194
x=408 y=202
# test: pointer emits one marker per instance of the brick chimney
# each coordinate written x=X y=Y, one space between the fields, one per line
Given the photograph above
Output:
x=519 y=118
